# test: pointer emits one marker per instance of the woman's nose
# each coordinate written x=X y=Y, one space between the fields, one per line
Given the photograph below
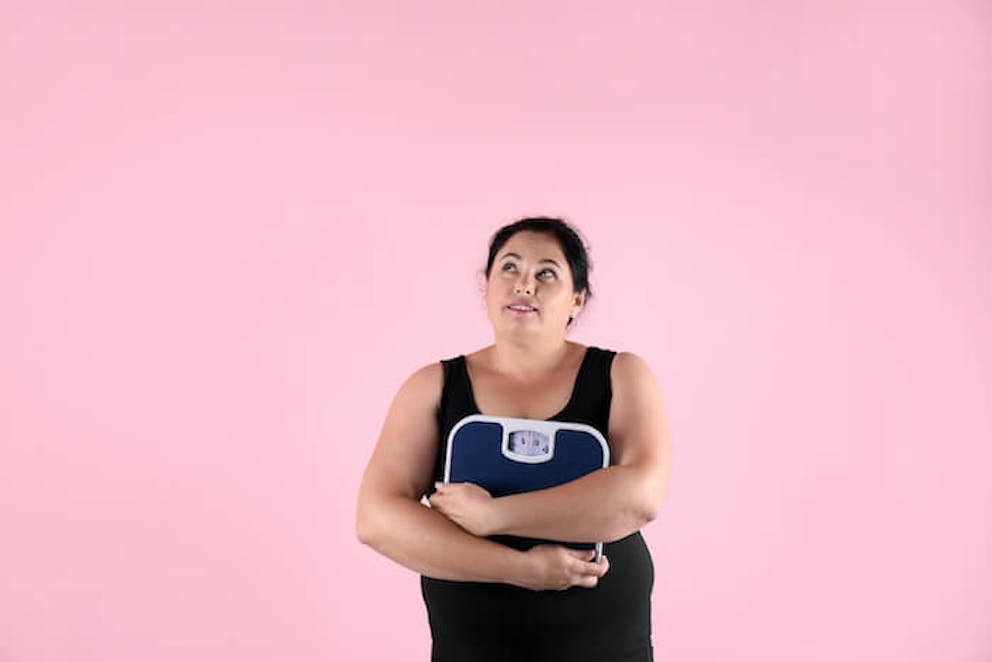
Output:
x=524 y=286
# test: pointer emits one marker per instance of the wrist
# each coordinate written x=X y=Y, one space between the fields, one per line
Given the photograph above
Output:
x=521 y=569
x=497 y=517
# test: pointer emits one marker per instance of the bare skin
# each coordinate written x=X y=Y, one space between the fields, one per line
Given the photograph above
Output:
x=528 y=372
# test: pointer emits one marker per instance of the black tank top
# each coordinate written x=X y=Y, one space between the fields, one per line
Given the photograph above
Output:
x=481 y=621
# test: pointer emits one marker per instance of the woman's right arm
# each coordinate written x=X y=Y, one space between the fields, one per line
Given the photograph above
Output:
x=392 y=519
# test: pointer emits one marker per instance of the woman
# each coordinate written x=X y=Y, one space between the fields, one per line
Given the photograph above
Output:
x=487 y=600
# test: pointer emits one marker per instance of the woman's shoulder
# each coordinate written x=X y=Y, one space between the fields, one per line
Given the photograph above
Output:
x=424 y=383
x=626 y=360
x=630 y=372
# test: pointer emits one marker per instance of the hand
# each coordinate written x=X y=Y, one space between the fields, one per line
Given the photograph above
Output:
x=555 y=567
x=468 y=505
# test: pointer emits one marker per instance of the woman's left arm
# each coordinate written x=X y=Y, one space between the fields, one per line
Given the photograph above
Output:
x=605 y=505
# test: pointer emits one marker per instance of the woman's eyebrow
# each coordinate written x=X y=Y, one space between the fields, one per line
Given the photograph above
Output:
x=539 y=261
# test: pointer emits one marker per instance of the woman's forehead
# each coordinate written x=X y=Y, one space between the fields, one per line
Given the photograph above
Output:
x=533 y=245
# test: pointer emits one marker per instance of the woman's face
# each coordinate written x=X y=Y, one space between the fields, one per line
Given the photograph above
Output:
x=531 y=269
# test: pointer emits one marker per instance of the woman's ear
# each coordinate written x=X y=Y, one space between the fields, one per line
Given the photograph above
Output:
x=579 y=302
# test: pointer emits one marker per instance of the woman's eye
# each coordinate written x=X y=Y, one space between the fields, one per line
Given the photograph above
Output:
x=509 y=265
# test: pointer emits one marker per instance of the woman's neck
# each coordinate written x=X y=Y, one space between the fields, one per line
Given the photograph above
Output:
x=529 y=359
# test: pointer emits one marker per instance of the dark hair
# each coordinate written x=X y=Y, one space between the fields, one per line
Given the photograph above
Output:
x=569 y=240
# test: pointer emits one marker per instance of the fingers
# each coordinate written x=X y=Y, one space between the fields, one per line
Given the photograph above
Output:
x=567 y=567
x=597 y=569
x=583 y=554
x=588 y=571
x=588 y=582
x=593 y=572
x=589 y=566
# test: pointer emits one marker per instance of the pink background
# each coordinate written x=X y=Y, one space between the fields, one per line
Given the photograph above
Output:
x=229 y=232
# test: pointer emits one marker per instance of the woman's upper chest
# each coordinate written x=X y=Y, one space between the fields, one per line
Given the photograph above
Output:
x=538 y=398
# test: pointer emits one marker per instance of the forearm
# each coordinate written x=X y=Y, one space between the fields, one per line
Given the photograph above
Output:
x=605 y=505
x=427 y=542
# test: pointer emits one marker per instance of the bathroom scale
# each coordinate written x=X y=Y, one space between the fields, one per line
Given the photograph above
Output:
x=514 y=455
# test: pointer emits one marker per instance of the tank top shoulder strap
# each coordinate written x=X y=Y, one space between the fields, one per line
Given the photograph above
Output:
x=456 y=403
x=593 y=390
x=455 y=395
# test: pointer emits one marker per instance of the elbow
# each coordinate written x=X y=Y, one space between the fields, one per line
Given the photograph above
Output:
x=365 y=527
x=622 y=527
x=634 y=518
x=376 y=520
x=362 y=535
x=644 y=516
x=649 y=515
x=362 y=531
x=649 y=506
x=652 y=492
